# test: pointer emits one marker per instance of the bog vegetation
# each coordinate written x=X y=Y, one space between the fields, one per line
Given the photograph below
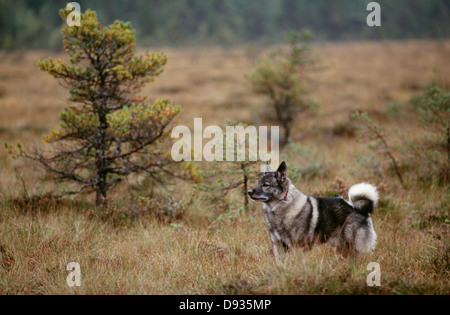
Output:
x=162 y=236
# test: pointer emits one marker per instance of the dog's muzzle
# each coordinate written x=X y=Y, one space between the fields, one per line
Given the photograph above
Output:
x=252 y=195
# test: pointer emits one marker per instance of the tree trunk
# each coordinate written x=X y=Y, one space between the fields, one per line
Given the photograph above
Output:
x=287 y=133
x=101 y=201
x=245 y=187
x=100 y=160
x=448 y=153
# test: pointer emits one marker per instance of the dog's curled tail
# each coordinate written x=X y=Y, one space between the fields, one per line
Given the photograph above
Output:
x=363 y=197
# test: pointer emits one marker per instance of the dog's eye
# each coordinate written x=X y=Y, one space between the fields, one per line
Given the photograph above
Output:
x=266 y=185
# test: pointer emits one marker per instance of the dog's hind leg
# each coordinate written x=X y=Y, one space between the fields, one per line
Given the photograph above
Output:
x=344 y=249
x=365 y=240
x=348 y=251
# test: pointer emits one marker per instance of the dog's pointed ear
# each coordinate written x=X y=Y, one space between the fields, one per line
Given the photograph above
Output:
x=282 y=170
x=268 y=168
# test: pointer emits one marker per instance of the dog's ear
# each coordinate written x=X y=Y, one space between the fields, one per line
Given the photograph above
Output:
x=282 y=170
x=268 y=168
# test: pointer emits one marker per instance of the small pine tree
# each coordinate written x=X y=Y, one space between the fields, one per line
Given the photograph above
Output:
x=230 y=175
x=284 y=80
x=110 y=132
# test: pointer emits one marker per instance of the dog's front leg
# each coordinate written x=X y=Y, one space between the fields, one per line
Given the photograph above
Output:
x=279 y=251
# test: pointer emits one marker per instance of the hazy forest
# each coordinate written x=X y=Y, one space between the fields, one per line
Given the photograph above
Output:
x=33 y=23
x=86 y=114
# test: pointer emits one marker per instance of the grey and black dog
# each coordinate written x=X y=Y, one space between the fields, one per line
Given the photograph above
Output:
x=294 y=218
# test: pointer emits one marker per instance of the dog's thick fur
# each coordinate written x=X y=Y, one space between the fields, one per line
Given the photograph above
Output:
x=294 y=218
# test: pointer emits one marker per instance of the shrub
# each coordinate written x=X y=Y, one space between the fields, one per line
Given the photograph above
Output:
x=284 y=80
x=376 y=135
x=431 y=155
x=230 y=175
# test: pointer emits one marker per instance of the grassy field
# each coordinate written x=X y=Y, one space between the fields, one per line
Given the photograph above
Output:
x=221 y=250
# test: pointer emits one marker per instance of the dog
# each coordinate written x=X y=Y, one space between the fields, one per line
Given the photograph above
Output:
x=296 y=219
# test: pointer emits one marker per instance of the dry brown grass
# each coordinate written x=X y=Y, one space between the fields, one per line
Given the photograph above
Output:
x=201 y=254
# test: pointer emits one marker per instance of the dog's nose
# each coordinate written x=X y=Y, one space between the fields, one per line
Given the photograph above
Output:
x=250 y=192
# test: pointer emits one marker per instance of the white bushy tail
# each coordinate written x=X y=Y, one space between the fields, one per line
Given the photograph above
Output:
x=363 y=197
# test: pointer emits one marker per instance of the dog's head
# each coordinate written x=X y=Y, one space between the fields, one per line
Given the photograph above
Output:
x=272 y=186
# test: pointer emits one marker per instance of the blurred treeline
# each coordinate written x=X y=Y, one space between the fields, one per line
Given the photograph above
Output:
x=31 y=24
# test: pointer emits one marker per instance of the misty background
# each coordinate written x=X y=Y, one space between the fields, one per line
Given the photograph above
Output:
x=35 y=24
